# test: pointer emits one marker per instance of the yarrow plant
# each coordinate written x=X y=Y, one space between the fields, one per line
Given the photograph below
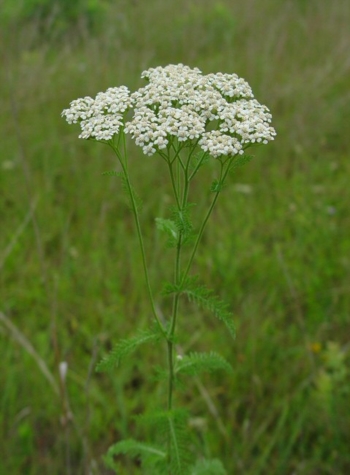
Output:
x=187 y=119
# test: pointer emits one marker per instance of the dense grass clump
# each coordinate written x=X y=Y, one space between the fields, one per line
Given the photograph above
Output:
x=71 y=281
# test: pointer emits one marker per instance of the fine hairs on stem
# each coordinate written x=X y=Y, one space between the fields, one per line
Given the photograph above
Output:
x=187 y=119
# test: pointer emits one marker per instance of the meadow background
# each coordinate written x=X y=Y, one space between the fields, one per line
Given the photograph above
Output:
x=277 y=248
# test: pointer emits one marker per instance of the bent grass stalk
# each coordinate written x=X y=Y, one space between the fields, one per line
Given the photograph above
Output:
x=187 y=119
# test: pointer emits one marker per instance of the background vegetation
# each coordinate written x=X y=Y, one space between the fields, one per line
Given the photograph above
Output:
x=277 y=249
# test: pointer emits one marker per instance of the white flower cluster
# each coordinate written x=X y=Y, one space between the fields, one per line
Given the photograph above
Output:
x=217 y=111
x=99 y=118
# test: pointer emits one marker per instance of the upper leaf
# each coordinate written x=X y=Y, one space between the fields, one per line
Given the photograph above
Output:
x=240 y=161
x=112 y=173
x=194 y=363
x=170 y=228
x=150 y=454
x=208 y=467
x=127 y=346
x=182 y=220
x=205 y=298
x=198 y=160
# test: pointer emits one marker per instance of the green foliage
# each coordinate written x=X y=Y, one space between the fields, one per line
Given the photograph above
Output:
x=240 y=161
x=217 y=186
x=173 y=438
x=127 y=188
x=208 y=467
x=149 y=454
x=112 y=173
x=199 y=160
x=182 y=221
x=126 y=347
x=169 y=227
x=204 y=298
x=173 y=427
x=194 y=363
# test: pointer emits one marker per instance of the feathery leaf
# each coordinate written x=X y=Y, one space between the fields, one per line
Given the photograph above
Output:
x=240 y=161
x=172 y=428
x=204 y=298
x=150 y=454
x=111 y=173
x=194 y=363
x=182 y=221
x=137 y=200
x=217 y=186
x=169 y=227
x=180 y=456
x=208 y=467
x=199 y=159
x=127 y=346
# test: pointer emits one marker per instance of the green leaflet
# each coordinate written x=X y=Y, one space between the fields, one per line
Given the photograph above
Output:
x=149 y=454
x=204 y=298
x=208 y=467
x=127 y=188
x=240 y=161
x=169 y=227
x=194 y=363
x=198 y=160
x=111 y=173
x=182 y=221
x=217 y=186
x=172 y=429
x=180 y=457
x=127 y=346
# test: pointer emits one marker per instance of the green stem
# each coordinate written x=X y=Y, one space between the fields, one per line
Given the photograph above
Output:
x=139 y=232
x=223 y=175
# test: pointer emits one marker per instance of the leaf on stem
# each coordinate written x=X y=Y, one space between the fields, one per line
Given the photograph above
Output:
x=204 y=298
x=149 y=454
x=111 y=173
x=217 y=186
x=208 y=467
x=194 y=363
x=240 y=161
x=169 y=227
x=127 y=188
x=199 y=159
x=182 y=221
x=172 y=428
x=127 y=346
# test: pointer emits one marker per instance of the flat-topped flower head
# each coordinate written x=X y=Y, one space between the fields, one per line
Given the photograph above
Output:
x=102 y=117
x=216 y=112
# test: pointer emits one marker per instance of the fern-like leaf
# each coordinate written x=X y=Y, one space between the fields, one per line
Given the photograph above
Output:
x=180 y=456
x=149 y=454
x=169 y=227
x=182 y=221
x=217 y=186
x=127 y=346
x=194 y=363
x=111 y=173
x=240 y=161
x=127 y=188
x=204 y=298
x=208 y=467
x=198 y=160
x=172 y=429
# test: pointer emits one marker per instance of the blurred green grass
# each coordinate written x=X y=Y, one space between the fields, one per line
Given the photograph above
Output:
x=277 y=248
